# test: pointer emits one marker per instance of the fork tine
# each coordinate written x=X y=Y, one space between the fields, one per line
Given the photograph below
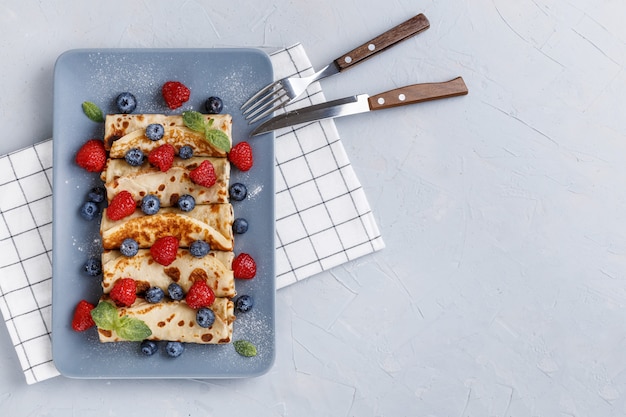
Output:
x=259 y=93
x=268 y=107
x=263 y=101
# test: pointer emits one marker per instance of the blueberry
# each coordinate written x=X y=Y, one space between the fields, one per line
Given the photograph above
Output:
x=205 y=317
x=244 y=303
x=134 y=157
x=240 y=226
x=150 y=204
x=89 y=210
x=154 y=295
x=199 y=248
x=175 y=292
x=185 y=152
x=238 y=191
x=186 y=202
x=155 y=131
x=214 y=105
x=174 y=349
x=129 y=247
x=93 y=267
x=126 y=102
x=148 y=347
x=97 y=194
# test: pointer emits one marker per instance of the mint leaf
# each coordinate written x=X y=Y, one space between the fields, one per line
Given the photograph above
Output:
x=194 y=120
x=130 y=328
x=217 y=138
x=93 y=112
x=245 y=348
x=105 y=316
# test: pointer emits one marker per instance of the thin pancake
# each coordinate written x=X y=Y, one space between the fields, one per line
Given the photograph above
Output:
x=126 y=131
x=176 y=321
x=212 y=223
x=215 y=269
x=167 y=186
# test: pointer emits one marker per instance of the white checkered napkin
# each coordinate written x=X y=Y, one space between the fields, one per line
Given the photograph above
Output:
x=322 y=220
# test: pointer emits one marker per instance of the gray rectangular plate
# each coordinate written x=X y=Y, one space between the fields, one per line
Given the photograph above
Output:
x=99 y=76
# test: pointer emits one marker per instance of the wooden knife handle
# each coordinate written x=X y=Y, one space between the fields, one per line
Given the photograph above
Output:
x=403 y=31
x=417 y=93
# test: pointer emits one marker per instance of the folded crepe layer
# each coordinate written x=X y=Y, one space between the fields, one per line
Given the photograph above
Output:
x=176 y=321
x=126 y=131
x=215 y=269
x=167 y=186
x=212 y=223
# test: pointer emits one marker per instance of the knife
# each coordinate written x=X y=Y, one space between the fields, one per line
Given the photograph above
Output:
x=361 y=103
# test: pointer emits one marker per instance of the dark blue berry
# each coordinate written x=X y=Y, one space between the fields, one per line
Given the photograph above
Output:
x=150 y=204
x=244 y=303
x=129 y=247
x=97 y=194
x=126 y=102
x=134 y=157
x=175 y=292
x=174 y=349
x=93 y=267
x=185 y=152
x=213 y=105
x=89 y=210
x=154 y=295
x=205 y=317
x=155 y=131
x=238 y=191
x=148 y=347
x=240 y=226
x=199 y=248
x=186 y=202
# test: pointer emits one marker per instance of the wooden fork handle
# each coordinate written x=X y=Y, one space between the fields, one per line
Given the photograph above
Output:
x=403 y=31
x=418 y=93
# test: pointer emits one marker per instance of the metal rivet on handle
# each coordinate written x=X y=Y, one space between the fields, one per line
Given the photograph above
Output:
x=381 y=100
x=348 y=59
x=402 y=97
x=371 y=46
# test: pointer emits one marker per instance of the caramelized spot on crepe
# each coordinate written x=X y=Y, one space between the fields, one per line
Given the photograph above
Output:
x=142 y=193
x=207 y=337
x=125 y=124
x=173 y=273
x=170 y=318
x=105 y=333
x=140 y=117
x=173 y=178
x=142 y=286
x=198 y=275
x=161 y=324
x=174 y=199
x=181 y=323
x=161 y=187
x=224 y=340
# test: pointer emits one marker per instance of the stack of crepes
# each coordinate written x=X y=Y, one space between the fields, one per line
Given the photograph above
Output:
x=210 y=220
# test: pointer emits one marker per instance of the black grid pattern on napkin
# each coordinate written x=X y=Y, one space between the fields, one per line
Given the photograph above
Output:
x=323 y=218
x=26 y=256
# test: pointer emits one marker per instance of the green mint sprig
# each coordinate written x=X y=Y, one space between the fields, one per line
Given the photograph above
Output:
x=128 y=328
x=245 y=348
x=93 y=112
x=196 y=121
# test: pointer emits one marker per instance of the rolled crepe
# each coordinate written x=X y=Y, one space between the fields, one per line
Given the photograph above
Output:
x=167 y=186
x=215 y=269
x=126 y=131
x=176 y=321
x=212 y=223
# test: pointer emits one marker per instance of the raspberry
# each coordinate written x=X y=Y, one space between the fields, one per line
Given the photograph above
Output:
x=124 y=292
x=175 y=94
x=241 y=156
x=92 y=156
x=164 y=250
x=199 y=295
x=162 y=157
x=121 y=205
x=204 y=174
x=82 y=316
x=244 y=266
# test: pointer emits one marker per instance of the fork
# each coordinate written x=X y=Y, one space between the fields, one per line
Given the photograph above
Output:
x=279 y=93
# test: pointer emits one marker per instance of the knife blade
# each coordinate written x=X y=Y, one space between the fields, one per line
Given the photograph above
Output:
x=416 y=93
